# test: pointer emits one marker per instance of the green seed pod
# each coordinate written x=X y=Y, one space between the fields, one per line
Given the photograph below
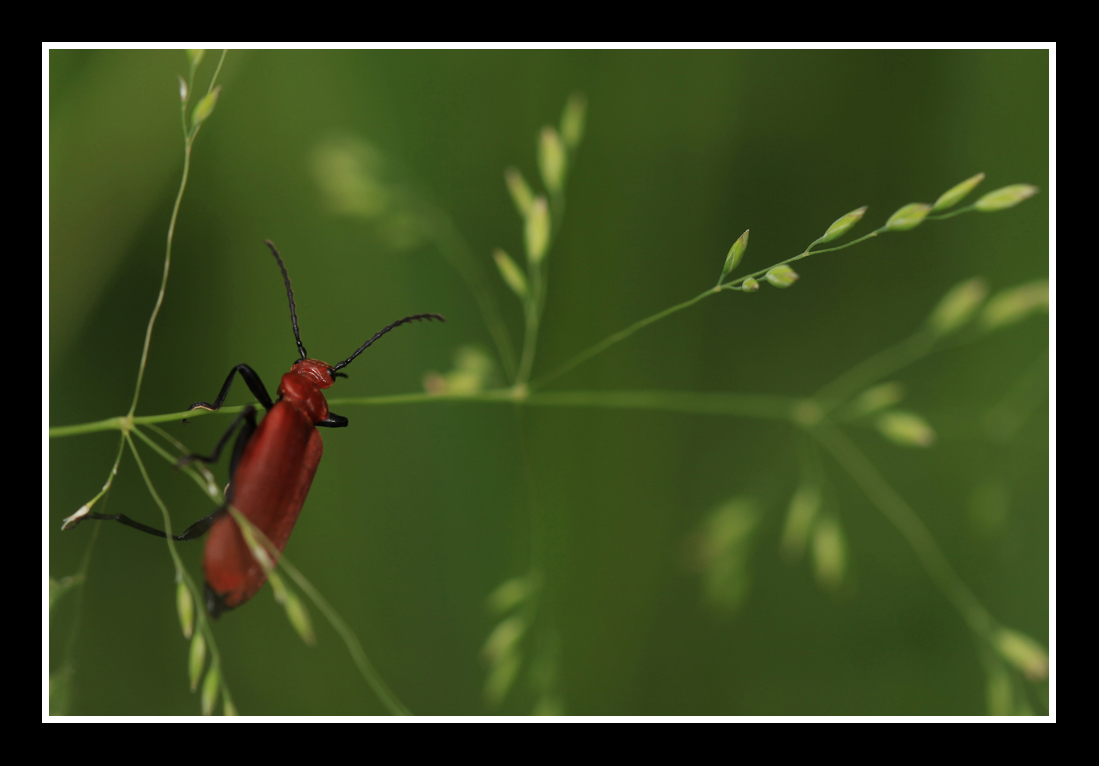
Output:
x=537 y=230
x=955 y=194
x=724 y=553
x=876 y=399
x=205 y=107
x=504 y=638
x=1008 y=196
x=511 y=274
x=508 y=595
x=472 y=371
x=843 y=224
x=804 y=506
x=1015 y=304
x=551 y=160
x=572 y=120
x=958 y=306
x=197 y=659
x=194 y=56
x=210 y=688
x=906 y=429
x=520 y=192
x=500 y=678
x=749 y=285
x=299 y=618
x=277 y=587
x=781 y=276
x=1022 y=652
x=185 y=606
x=829 y=553
x=908 y=217
x=736 y=252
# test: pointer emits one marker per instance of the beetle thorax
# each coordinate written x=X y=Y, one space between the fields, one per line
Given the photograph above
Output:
x=302 y=388
x=314 y=370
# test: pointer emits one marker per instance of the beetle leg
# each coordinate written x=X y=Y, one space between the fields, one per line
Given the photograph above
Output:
x=245 y=436
x=200 y=527
x=333 y=421
x=248 y=417
x=251 y=379
x=196 y=530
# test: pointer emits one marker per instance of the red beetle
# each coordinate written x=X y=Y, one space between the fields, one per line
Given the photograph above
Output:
x=271 y=470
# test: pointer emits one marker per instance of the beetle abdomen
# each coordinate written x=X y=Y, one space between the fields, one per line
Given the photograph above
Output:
x=269 y=488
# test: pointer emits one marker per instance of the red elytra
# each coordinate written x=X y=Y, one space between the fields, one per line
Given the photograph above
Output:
x=272 y=467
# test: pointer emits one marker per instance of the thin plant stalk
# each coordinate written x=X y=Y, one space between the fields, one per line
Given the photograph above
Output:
x=354 y=646
x=880 y=365
x=443 y=234
x=909 y=524
x=621 y=335
x=188 y=142
x=533 y=316
x=618 y=337
x=184 y=577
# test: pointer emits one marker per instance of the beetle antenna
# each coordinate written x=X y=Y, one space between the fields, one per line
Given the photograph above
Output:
x=379 y=334
x=290 y=296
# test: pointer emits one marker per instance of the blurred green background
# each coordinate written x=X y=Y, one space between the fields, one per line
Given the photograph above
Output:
x=419 y=511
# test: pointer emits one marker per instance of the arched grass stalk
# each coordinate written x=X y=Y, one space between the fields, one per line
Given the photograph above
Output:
x=909 y=524
x=448 y=241
x=354 y=646
x=750 y=282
